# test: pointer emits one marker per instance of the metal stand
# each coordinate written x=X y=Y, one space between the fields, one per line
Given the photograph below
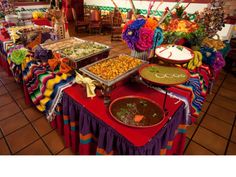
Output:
x=106 y=91
x=164 y=102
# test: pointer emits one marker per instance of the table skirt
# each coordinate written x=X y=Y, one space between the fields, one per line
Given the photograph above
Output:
x=3 y=59
x=87 y=135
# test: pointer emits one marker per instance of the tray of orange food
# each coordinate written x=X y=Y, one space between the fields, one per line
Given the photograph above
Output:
x=114 y=69
x=136 y=111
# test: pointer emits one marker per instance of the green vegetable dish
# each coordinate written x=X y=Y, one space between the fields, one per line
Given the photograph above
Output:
x=82 y=50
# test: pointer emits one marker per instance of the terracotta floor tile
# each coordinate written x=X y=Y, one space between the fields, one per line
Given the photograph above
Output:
x=231 y=149
x=12 y=86
x=205 y=106
x=13 y=123
x=3 y=148
x=186 y=142
x=190 y=130
x=126 y=52
x=215 y=89
x=221 y=113
x=37 y=148
x=222 y=75
x=227 y=93
x=120 y=48
x=7 y=80
x=54 y=142
x=66 y=151
x=229 y=85
x=16 y=94
x=210 y=97
x=113 y=54
x=8 y=110
x=233 y=136
x=42 y=126
x=113 y=51
x=217 y=126
x=210 y=141
x=32 y=113
x=5 y=99
x=115 y=44
x=22 y=104
x=2 y=90
x=226 y=103
x=2 y=73
x=1 y=135
x=201 y=115
x=219 y=82
x=231 y=78
x=21 y=138
x=195 y=149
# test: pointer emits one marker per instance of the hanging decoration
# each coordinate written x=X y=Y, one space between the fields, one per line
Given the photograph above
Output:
x=212 y=17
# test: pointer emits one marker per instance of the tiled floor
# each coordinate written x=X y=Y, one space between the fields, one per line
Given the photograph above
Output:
x=25 y=131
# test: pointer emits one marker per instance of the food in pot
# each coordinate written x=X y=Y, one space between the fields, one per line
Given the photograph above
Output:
x=114 y=67
x=82 y=50
x=63 y=44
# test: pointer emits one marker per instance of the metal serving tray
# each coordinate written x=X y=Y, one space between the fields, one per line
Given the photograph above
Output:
x=110 y=83
x=107 y=49
x=35 y=28
x=46 y=45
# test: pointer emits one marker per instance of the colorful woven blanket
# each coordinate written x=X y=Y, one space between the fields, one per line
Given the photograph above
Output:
x=194 y=85
x=43 y=85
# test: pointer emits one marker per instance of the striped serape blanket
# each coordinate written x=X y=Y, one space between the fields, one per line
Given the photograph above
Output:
x=44 y=86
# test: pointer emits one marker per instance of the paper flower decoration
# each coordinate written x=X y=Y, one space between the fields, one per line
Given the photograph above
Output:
x=139 y=34
x=18 y=56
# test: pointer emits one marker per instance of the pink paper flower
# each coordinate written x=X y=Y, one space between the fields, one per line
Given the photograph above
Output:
x=145 y=39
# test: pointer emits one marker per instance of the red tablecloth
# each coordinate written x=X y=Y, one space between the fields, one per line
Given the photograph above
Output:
x=42 y=22
x=137 y=136
x=88 y=127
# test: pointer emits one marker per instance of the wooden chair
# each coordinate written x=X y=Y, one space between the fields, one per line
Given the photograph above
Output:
x=84 y=23
x=95 y=21
x=116 y=28
x=107 y=22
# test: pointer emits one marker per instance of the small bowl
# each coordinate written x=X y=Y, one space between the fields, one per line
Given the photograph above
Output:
x=174 y=61
x=25 y=15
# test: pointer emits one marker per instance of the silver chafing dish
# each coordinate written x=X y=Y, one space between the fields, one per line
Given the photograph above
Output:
x=60 y=44
x=73 y=44
x=106 y=86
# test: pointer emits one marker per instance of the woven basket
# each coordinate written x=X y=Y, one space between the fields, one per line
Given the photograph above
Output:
x=214 y=43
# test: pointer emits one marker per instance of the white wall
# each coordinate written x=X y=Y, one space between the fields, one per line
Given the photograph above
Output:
x=144 y=4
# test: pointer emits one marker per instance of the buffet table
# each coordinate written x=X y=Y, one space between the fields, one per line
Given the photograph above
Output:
x=3 y=55
x=88 y=127
x=49 y=80
x=42 y=22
